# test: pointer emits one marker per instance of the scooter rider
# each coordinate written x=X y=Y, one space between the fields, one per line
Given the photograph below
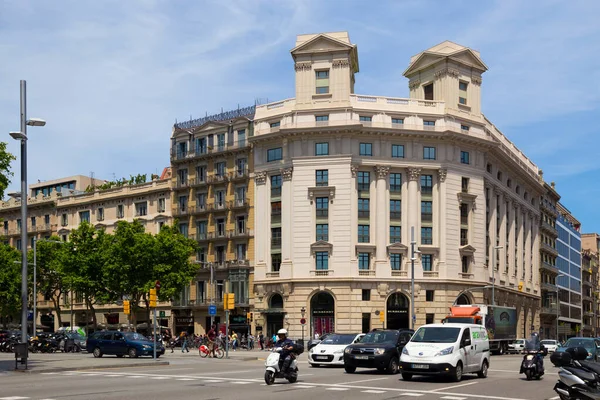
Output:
x=287 y=345
x=535 y=338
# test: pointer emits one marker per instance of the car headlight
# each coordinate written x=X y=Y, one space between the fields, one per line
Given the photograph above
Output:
x=589 y=355
x=310 y=351
x=445 y=352
x=338 y=352
x=379 y=351
x=147 y=346
x=347 y=350
x=405 y=351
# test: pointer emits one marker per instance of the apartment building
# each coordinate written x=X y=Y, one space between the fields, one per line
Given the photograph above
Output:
x=590 y=243
x=57 y=207
x=548 y=265
x=342 y=181
x=569 y=280
x=213 y=203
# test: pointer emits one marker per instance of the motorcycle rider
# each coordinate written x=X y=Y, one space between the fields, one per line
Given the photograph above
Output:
x=535 y=338
x=287 y=345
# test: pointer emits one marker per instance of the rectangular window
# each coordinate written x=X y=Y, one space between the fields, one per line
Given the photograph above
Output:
x=322 y=260
x=465 y=265
x=275 y=262
x=220 y=254
x=241 y=138
x=220 y=169
x=322 y=177
x=464 y=184
x=275 y=208
x=322 y=81
x=18 y=244
x=429 y=295
x=221 y=227
x=428 y=153
x=366 y=322
x=322 y=206
x=426 y=235
x=464 y=127
x=429 y=318
x=366 y=149
x=464 y=237
x=100 y=214
x=364 y=180
x=363 y=208
x=322 y=232
x=396 y=261
x=396 y=210
x=183 y=229
x=426 y=184
x=33 y=221
x=241 y=165
x=201 y=145
x=275 y=154
x=464 y=157
x=462 y=92
x=396 y=183
x=275 y=124
x=141 y=209
x=428 y=91
x=321 y=118
x=200 y=293
x=399 y=121
x=182 y=177
x=240 y=251
x=64 y=221
x=241 y=224
x=426 y=211
x=276 y=237
x=366 y=295
x=395 y=234
x=398 y=151
x=120 y=211
x=220 y=198
x=161 y=205
x=426 y=262
x=275 y=185
x=47 y=219
x=464 y=214
x=220 y=142
x=84 y=216
x=365 y=118
x=364 y=261
x=322 y=149
x=363 y=234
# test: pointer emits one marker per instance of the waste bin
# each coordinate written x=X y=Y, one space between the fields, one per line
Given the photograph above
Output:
x=70 y=346
x=21 y=352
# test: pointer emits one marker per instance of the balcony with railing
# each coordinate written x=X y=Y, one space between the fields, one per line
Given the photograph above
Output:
x=366 y=272
x=549 y=267
x=198 y=181
x=217 y=178
x=200 y=152
x=239 y=174
x=238 y=203
x=199 y=209
x=549 y=228
x=240 y=233
x=180 y=211
x=201 y=236
x=321 y=272
x=549 y=311
x=182 y=183
x=549 y=249
x=549 y=287
x=426 y=217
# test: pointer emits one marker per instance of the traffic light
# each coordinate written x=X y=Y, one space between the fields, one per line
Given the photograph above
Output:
x=228 y=301
x=152 y=298
x=249 y=316
x=126 y=309
x=381 y=317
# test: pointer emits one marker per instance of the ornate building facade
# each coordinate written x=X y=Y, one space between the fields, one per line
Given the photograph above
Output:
x=343 y=180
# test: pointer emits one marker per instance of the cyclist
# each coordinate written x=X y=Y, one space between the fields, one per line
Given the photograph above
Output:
x=211 y=335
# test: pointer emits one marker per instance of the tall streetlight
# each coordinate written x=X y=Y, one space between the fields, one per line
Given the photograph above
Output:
x=557 y=304
x=496 y=248
x=413 y=257
x=22 y=136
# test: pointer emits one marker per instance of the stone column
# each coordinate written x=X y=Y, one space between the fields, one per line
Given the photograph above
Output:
x=527 y=264
x=511 y=245
x=535 y=259
x=286 y=222
x=521 y=274
x=501 y=233
x=413 y=213
x=440 y=219
x=261 y=221
x=493 y=204
x=354 y=212
x=382 y=214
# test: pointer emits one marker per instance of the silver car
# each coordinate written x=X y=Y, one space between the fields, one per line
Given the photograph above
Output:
x=516 y=346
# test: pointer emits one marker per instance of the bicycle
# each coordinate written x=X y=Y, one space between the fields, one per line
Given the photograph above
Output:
x=204 y=351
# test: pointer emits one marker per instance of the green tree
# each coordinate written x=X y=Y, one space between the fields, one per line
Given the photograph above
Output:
x=5 y=173
x=10 y=282
x=51 y=276
x=84 y=263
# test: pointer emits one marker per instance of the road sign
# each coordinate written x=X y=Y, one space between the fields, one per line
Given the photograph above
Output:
x=212 y=310
x=161 y=314
x=157 y=285
x=303 y=321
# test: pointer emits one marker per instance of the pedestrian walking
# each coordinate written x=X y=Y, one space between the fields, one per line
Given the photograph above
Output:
x=261 y=341
x=184 y=339
x=234 y=339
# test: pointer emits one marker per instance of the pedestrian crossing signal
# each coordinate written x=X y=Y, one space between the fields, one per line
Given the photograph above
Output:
x=152 y=298
x=228 y=301
x=249 y=316
x=126 y=309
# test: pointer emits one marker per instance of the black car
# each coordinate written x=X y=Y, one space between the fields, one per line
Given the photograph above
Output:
x=313 y=342
x=380 y=348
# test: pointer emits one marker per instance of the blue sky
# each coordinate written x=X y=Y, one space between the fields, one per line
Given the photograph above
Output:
x=111 y=77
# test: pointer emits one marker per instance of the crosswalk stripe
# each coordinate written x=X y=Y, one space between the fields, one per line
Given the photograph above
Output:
x=374 y=391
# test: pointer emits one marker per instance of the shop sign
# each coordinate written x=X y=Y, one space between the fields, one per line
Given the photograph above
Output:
x=238 y=319
x=322 y=312
x=184 y=320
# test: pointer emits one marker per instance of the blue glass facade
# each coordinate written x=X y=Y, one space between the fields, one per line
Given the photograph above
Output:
x=568 y=262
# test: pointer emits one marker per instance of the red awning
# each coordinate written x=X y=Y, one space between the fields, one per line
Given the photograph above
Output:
x=464 y=311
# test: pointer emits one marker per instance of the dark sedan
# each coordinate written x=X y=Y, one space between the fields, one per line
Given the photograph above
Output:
x=122 y=343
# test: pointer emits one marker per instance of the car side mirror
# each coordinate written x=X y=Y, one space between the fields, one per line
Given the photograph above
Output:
x=466 y=342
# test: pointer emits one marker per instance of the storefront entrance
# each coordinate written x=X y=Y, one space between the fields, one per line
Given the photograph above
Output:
x=397 y=311
x=275 y=315
x=322 y=309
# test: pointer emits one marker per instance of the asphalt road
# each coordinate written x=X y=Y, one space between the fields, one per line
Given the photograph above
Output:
x=190 y=377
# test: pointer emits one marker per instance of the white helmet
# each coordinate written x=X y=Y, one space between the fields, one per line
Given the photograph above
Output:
x=282 y=332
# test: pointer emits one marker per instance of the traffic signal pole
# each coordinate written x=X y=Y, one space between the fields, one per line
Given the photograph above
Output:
x=226 y=333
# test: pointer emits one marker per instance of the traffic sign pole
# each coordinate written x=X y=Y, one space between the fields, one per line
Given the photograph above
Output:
x=155 y=334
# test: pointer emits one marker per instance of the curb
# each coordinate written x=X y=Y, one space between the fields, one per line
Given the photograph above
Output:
x=111 y=366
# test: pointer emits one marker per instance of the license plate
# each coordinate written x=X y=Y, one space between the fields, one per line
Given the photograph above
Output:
x=320 y=357
x=420 y=366
x=361 y=357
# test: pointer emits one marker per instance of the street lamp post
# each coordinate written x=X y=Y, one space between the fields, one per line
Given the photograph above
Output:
x=494 y=273
x=303 y=322
x=557 y=304
x=413 y=253
x=22 y=136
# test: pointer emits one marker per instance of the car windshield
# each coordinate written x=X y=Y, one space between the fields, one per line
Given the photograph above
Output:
x=134 y=336
x=519 y=341
x=75 y=336
x=580 y=342
x=436 y=335
x=550 y=342
x=380 y=337
x=338 y=339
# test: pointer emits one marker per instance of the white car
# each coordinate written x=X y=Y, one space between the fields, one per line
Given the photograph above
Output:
x=550 y=345
x=516 y=346
x=331 y=350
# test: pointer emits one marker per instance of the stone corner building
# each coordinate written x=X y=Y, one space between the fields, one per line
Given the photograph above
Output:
x=341 y=178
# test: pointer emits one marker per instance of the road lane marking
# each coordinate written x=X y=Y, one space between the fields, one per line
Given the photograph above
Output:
x=364 y=380
x=337 y=389
x=412 y=394
x=13 y=398
x=374 y=391
x=185 y=379
x=453 y=398
x=213 y=381
x=159 y=377
x=135 y=376
x=243 y=383
x=230 y=372
x=452 y=387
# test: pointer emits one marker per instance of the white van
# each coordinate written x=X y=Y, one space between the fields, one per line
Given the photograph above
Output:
x=446 y=349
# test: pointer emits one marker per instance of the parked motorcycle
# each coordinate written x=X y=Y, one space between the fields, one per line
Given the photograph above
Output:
x=577 y=378
x=533 y=360
x=274 y=363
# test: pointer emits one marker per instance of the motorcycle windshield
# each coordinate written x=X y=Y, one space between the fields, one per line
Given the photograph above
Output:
x=532 y=344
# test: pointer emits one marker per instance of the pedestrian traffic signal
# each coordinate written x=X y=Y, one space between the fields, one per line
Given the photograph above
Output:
x=153 y=298
x=228 y=301
x=126 y=309
x=249 y=316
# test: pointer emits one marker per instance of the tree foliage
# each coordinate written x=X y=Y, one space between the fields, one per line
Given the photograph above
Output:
x=10 y=280
x=51 y=274
x=5 y=173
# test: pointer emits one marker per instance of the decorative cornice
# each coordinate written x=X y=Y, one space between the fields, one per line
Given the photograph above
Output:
x=414 y=174
x=382 y=171
x=354 y=169
x=341 y=63
x=498 y=191
x=476 y=80
x=260 y=178
x=447 y=71
x=321 y=191
x=286 y=174
x=304 y=65
x=414 y=84
x=442 y=173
